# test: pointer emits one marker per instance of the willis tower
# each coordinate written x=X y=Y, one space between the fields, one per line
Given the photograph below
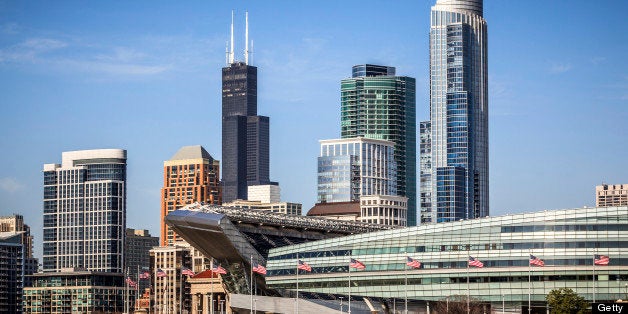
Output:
x=245 y=135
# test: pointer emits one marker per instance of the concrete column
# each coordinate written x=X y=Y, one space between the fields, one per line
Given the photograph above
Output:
x=206 y=305
x=194 y=303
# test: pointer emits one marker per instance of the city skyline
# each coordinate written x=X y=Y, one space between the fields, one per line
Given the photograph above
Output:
x=555 y=110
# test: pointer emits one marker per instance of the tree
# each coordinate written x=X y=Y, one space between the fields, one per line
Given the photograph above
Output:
x=566 y=301
x=457 y=304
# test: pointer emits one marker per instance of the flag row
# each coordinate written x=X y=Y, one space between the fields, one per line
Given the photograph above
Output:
x=600 y=260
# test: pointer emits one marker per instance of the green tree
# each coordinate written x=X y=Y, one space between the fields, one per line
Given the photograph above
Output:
x=566 y=301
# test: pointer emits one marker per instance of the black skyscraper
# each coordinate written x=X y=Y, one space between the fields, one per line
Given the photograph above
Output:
x=245 y=135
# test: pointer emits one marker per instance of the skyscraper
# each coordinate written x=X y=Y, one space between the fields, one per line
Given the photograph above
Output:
x=458 y=113
x=12 y=254
x=15 y=224
x=85 y=211
x=191 y=175
x=245 y=135
x=377 y=104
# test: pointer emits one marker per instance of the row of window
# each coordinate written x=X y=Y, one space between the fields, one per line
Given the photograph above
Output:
x=361 y=282
x=457 y=248
x=427 y=266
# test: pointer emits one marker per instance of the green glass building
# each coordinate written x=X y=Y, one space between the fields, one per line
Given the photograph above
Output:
x=377 y=104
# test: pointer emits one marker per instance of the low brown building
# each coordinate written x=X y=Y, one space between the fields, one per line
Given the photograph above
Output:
x=208 y=295
x=349 y=211
x=607 y=195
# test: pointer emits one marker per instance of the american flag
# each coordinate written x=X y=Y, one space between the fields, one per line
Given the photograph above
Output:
x=475 y=262
x=161 y=273
x=536 y=261
x=130 y=282
x=219 y=270
x=601 y=260
x=145 y=275
x=303 y=266
x=412 y=262
x=186 y=271
x=354 y=263
x=259 y=269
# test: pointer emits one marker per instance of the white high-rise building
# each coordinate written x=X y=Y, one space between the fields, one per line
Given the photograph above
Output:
x=85 y=211
x=266 y=193
x=458 y=159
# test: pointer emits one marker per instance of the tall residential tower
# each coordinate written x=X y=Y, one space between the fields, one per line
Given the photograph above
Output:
x=85 y=211
x=191 y=175
x=245 y=135
x=458 y=160
x=377 y=104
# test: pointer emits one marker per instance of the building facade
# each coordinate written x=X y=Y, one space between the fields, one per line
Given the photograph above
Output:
x=139 y=242
x=347 y=211
x=208 y=294
x=384 y=209
x=611 y=195
x=458 y=113
x=85 y=211
x=268 y=193
x=72 y=291
x=11 y=272
x=377 y=104
x=171 y=291
x=279 y=207
x=191 y=175
x=567 y=240
x=245 y=135
x=350 y=168
x=425 y=173
x=15 y=223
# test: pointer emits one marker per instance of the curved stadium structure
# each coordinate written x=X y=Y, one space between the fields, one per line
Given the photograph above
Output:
x=566 y=240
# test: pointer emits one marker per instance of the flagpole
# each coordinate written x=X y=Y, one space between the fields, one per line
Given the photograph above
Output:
x=593 y=278
x=529 y=283
x=406 y=307
x=126 y=290
x=468 y=292
x=349 y=288
x=297 y=299
x=251 y=284
x=211 y=297
x=165 y=292
x=181 y=290
x=137 y=287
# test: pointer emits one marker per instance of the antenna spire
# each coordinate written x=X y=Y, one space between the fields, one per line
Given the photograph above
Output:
x=231 y=52
x=246 y=39
x=227 y=52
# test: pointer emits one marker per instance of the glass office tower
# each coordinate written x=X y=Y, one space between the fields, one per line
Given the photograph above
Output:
x=377 y=104
x=458 y=113
x=350 y=168
x=85 y=211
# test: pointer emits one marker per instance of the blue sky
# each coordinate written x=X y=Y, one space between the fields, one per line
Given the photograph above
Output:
x=145 y=76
